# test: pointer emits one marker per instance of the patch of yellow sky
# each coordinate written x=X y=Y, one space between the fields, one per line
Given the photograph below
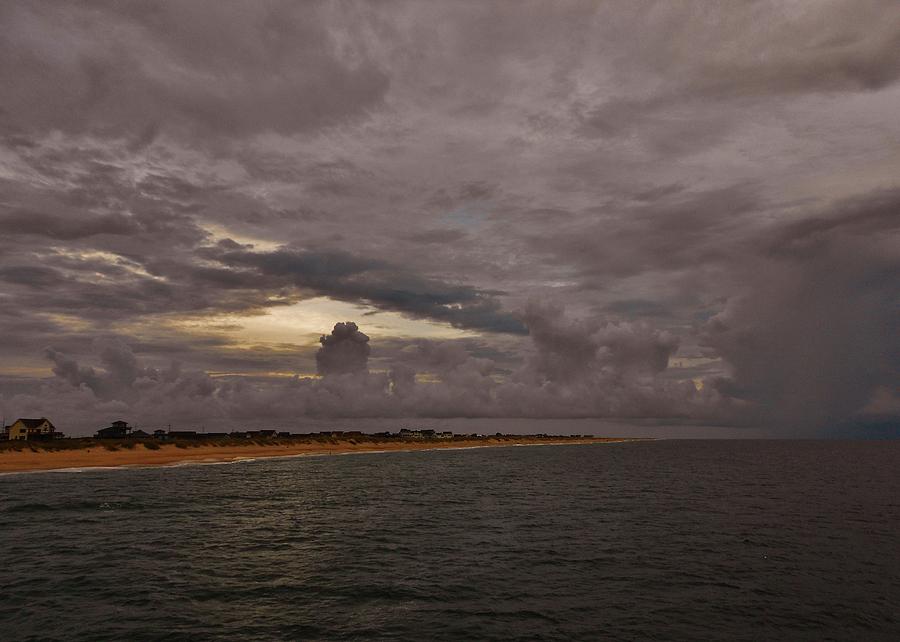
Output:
x=693 y=362
x=219 y=233
x=108 y=257
x=299 y=324
x=304 y=322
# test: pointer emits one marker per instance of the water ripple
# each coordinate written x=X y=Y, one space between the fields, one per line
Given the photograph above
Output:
x=666 y=540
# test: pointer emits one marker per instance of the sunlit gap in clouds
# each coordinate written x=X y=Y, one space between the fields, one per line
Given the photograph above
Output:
x=304 y=322
x=219 y=233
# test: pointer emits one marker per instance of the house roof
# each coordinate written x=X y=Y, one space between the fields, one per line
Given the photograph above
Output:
x=34 y=423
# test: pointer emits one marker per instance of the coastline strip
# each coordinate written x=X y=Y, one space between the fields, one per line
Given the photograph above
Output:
x=77 y=460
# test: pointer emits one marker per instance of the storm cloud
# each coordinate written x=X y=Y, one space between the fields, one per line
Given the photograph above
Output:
x=822 y=305
x=345 y=350
x=353 y=278
x=653 y=210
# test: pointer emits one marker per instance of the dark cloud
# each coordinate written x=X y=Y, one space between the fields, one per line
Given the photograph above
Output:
x=438 y=236
x=24 y=222
x=581 y=350
x=672 y=233
x=36 y=277
x=636 y=308
x=579 y=209
x=120 y=370
x=823 y=307
x=348 y=277
x=216 y=68
x=112 y=378
x=345 y=350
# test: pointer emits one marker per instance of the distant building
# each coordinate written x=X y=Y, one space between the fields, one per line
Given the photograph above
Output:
x=255 y=434
x=32 y=429
x=424 y=434
x=183 y=434
x=139 y=434
x=117 y=430
x=192 y=434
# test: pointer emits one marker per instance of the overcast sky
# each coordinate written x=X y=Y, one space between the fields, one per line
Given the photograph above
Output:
x=671 y=212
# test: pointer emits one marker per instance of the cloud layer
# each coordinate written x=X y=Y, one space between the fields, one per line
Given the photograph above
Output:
x=646 y=209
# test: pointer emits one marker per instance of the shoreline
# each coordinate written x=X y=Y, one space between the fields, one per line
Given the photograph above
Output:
x=138 y=456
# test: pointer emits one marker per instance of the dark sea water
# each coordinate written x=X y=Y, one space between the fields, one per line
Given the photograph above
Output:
x=691 y=540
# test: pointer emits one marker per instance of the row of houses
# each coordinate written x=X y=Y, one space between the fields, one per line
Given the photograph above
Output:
x=121 y=430
x=43 y=429
x=423 y=434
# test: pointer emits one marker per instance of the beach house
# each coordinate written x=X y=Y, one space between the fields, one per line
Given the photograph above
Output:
x=116 y=430
x=25 y=429
x=405 y=433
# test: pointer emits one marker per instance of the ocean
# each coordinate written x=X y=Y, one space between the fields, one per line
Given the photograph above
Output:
x=667 y=540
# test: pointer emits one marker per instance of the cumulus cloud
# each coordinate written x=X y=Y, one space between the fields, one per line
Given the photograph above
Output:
x=615 y=381
x=345 y=350
x=119 y=377
x=571 y=350
x=676 y=183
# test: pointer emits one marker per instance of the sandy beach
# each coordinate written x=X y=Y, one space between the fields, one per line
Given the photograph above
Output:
x=170 y=454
